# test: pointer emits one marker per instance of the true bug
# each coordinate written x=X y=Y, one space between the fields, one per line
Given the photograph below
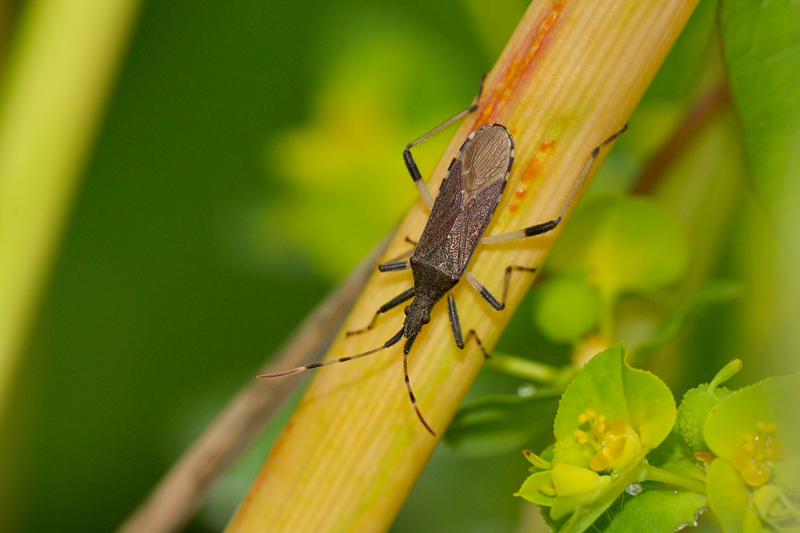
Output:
x=467 y=199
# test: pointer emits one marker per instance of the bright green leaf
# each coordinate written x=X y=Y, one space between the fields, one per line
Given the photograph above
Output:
x=607 y=403
x=531 y=489
x=609 y=386
x=657 y=511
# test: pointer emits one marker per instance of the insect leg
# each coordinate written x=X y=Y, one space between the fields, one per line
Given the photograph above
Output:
x=412 y=165
x=397 y=263
x=474 y=334
x=391 y=304
x=393 y=266
x=455 y=326
x=550 y=225
x=488 y=296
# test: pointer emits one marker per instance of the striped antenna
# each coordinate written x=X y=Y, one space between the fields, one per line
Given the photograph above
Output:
x=299 y=369
x=407 y=349
x=390 y=342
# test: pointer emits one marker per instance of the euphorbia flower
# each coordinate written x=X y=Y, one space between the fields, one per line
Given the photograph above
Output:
x=610 y=416
x=754 y=482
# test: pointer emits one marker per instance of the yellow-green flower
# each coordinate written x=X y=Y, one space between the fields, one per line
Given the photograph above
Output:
x=610 y=416
x=754 y=482
x=615 y=444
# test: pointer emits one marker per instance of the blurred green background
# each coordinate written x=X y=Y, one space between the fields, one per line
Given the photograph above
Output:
x=249 y=155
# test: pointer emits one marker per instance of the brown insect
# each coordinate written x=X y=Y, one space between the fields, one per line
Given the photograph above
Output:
x=467 y=199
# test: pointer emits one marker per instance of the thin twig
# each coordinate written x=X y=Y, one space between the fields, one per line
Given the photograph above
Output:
x=179 y=493
x=698 y=116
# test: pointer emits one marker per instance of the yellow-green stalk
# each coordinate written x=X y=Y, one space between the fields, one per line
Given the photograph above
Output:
x=570 y=76
x=58 y=74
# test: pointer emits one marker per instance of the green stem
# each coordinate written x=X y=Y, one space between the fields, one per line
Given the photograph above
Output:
x=725 y=374
x=59 y=72
x=653 y=473
x=527 y=369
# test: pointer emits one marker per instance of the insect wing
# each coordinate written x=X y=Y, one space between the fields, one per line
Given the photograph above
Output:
x=471 y=223
x=435 y=243
x=467 y=198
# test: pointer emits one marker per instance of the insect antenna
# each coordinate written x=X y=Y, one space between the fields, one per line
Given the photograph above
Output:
x=407 y=349
x=299 y=369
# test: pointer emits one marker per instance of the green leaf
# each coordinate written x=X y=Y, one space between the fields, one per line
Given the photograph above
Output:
x=530 y=489
x=609 y=386
x=761 y=41
x=616 y=393
x=658 y=511
x=497 y=424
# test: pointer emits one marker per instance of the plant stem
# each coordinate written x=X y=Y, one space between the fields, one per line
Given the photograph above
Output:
x=693 y=484
x=59 y=71
x=523 y=368
x=699 y=116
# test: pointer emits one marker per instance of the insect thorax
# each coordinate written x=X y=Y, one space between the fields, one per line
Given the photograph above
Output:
x=431 y=283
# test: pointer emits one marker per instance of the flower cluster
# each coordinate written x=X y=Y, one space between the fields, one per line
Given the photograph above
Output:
x=756 y=458
x=612 y=416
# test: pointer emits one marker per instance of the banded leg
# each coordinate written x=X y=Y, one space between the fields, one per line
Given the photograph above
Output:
x=395 y=266
x=455 y=326
x=397 y=263
x=391 y=304
x=550 y=225
x=488 y=296
x=411 y=165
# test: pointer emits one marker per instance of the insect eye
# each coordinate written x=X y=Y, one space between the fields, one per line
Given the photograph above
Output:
x=406 y=310
x=426 y=319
